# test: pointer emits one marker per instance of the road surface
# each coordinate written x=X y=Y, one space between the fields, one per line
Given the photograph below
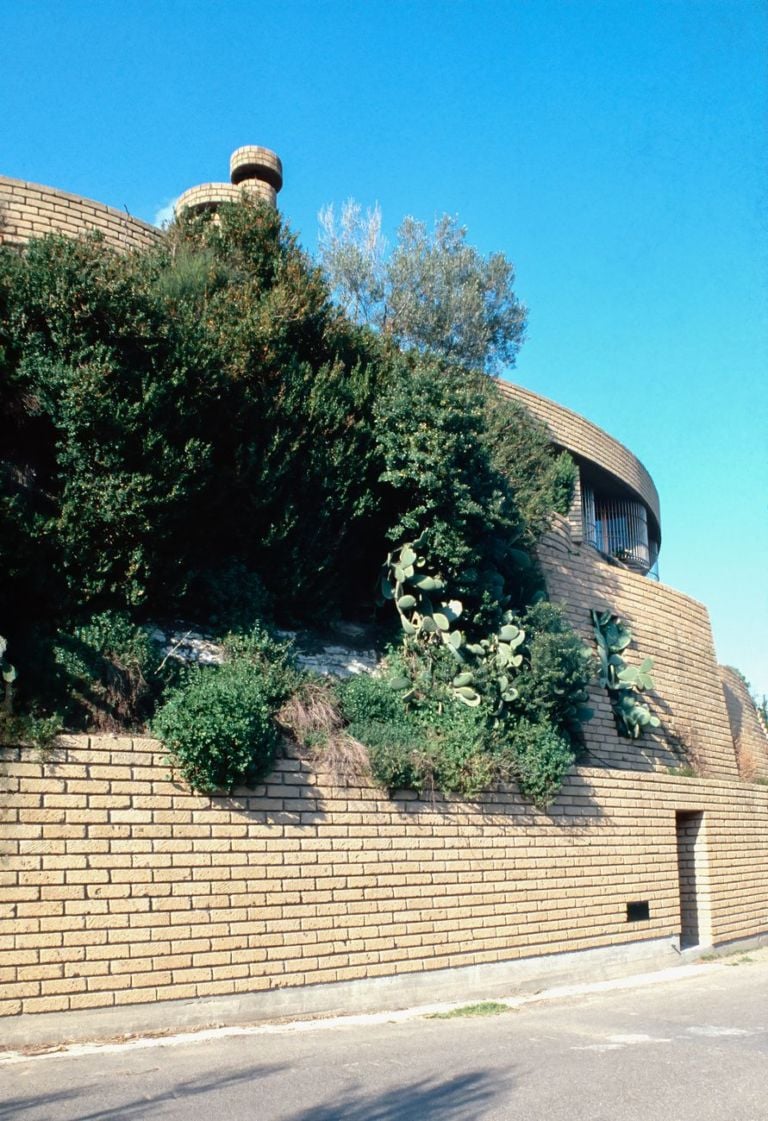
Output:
x=692 y=1049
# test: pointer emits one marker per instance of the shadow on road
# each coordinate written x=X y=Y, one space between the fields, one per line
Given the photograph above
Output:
x=42 y=1107
x=429 y=1099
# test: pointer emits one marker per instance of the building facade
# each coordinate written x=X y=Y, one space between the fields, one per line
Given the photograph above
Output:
x=125 y=893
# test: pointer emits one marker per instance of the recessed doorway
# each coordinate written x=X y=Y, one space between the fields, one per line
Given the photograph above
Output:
x=695 y=926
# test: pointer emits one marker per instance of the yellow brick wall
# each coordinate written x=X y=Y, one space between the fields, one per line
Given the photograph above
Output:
x=749 y=735
x=667 y=626
x=585 y=439
x=28 y=210
x=119 y=886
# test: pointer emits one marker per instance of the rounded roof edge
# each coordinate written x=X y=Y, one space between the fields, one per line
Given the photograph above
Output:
x=25 y=194
x=585 y=439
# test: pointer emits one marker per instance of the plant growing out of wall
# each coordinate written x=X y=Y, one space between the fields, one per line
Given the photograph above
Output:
x=485 y=668
x=450 y=711
x=623 y=682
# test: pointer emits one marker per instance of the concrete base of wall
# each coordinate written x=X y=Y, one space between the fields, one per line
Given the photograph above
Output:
x=724 y=949
x=379 y=994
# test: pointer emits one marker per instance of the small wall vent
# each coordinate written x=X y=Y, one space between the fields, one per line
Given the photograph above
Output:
x=638 y=911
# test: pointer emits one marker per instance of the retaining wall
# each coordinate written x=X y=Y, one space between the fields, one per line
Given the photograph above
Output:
x=667 y=626
x=120 y=887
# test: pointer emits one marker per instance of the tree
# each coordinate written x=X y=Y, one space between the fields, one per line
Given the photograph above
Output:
x=433 y=292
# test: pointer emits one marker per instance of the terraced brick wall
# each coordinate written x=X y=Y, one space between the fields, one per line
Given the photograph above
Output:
x=667 y=626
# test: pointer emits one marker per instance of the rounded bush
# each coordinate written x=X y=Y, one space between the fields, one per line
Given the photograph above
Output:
x=218 y=728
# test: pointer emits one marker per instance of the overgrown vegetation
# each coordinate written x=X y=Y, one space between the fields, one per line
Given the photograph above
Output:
x=455 y=711
x=217 y=721
x=197 y=432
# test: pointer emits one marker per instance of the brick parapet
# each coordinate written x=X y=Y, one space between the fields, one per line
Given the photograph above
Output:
x=583 y=438
x=29 y=210
x=208 y=196
x=121 y=887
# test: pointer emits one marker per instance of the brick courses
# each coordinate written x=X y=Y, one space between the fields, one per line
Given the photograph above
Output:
x=28 y=210
x=119 y=886
x=749 y=736
x=667 y=626
x=583 y=438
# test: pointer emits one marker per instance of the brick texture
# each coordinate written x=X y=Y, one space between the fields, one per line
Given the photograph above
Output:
x=667 y=626
x=574 y=432
x=28 y=210
x=208 y=196
x=749 y=736
x=119 y=886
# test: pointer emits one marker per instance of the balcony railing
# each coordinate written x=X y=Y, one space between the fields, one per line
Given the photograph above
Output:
x=618 y=527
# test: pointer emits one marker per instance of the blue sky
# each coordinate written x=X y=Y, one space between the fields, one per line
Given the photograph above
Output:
x=615 y=151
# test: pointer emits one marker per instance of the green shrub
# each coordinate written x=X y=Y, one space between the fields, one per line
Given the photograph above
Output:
x=218 y=722
x=218 y=728
x=271 y=658
x=438 y=746
x=557 y=667
x=538 y=757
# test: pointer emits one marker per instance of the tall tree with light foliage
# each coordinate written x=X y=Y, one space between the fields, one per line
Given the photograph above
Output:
x=432 y=291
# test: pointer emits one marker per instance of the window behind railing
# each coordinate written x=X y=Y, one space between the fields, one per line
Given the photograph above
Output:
x=618 y=527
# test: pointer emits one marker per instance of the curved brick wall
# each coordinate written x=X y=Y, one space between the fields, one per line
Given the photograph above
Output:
x=208 y=196
x=585 y=439
x=749 y=737
x=667 y=626
x=28 y=210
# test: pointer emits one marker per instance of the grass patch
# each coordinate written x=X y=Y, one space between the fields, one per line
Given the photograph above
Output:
x=484 y=1008
x=738 y=957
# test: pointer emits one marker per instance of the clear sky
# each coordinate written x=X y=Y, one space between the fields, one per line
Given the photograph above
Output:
x=615 y=150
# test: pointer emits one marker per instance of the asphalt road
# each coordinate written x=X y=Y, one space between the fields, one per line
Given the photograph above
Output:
x=695 y=1049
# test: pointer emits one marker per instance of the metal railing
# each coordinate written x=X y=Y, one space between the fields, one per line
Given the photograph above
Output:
x=618 y=527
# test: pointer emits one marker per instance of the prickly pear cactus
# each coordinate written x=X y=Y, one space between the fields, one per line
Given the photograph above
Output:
x=622 y=681
x=9 y=676
x=486 y=668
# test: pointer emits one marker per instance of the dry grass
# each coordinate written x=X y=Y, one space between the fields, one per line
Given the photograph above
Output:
x=313 y=718
x=683 y=740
